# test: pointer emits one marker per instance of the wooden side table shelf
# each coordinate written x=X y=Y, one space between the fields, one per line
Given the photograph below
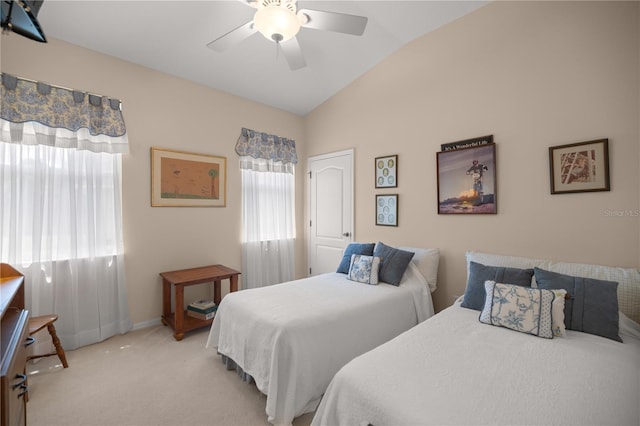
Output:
x=179 y=321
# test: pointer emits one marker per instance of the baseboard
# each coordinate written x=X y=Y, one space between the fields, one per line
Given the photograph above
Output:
x=145 y=324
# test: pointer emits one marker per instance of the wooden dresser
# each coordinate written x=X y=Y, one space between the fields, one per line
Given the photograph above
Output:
x=13 y=341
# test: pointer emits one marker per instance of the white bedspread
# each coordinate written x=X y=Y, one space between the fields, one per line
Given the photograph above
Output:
x=452 y=369
x=293 y=337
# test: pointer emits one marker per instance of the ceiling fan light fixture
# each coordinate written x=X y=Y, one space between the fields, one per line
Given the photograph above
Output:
x=276 y=23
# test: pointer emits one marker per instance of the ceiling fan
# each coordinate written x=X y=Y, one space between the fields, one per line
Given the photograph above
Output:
x=280 y=21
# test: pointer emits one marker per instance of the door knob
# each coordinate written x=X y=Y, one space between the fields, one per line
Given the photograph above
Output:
x=346 y=234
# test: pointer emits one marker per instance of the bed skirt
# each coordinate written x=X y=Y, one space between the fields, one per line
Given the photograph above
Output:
x=232 y=365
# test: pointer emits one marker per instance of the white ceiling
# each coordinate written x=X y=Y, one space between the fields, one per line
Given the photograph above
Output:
x=171 y=36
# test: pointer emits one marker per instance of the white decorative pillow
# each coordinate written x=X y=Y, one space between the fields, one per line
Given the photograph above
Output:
x=557 y=313
x=491 y=259
x=364 y=269
x=504 y=260
x=426 y=259
x=523 y=309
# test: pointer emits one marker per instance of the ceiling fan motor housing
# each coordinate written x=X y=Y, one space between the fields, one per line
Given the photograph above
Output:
x=288 y=4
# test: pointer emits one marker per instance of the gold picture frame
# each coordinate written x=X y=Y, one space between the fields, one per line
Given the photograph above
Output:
x=186 y=179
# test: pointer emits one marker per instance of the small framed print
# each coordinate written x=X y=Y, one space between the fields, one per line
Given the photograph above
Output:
x=387 y=171
x=579 y=167
x=387 y=210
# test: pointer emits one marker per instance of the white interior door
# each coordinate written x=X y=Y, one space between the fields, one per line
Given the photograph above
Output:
x=330 y=210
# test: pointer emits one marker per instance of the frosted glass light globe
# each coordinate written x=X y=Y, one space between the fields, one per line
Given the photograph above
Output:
x=276 y=23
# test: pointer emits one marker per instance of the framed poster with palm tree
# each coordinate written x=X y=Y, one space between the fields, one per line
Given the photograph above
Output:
x=185 y=179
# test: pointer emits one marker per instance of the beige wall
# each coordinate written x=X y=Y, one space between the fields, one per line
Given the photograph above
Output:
x=534 y=75
x=163 y=111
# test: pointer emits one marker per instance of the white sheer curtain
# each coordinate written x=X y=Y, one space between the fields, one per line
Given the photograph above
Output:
x=61 y=226
x=268 y=208
x=61 y=222
x=268 y=222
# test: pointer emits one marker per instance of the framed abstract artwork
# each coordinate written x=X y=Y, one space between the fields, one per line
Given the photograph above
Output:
x=467 y=180
x=187 y=179
x=387 y=171
x=387 y=210
x=579 y=167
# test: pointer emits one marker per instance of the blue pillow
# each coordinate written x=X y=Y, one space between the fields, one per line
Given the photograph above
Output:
x=592 y=306
x=474 y=294
x=354 y=248
x=393 y=263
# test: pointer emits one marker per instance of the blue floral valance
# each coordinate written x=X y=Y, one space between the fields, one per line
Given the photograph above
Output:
x=38 y=113
x=267 y=147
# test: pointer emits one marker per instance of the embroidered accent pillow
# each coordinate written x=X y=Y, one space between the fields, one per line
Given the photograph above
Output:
x=523 y=309
x=364 y=269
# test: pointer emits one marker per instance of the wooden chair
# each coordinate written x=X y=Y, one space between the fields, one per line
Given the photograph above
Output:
x=38 y=323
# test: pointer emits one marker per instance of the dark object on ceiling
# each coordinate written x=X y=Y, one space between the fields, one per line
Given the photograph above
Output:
x=21 y=18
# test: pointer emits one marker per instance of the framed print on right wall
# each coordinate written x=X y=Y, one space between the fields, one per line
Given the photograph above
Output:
x=579 y=167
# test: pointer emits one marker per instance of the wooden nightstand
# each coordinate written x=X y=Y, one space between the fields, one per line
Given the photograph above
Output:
x=179 y=321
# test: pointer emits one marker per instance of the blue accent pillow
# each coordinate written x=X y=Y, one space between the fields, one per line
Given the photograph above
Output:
x=474 y=294
x=354 y=248
x=393 y=263
x=592 y=306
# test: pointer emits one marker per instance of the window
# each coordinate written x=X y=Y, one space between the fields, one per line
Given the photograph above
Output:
x=267 y=164
x=58 y=204
x=268 y=227
x=61 y=216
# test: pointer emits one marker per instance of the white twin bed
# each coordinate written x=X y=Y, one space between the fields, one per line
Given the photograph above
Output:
x=292 y=338
x=453 y=369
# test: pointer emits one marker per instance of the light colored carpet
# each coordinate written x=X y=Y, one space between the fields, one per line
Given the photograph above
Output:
x=144 y=377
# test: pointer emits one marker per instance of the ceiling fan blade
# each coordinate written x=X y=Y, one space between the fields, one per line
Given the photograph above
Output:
x=234 y=36
x=333 y=21
x=293 y=53
x=251 y=3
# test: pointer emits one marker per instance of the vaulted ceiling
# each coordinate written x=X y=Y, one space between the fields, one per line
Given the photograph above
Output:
x=172 y=37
